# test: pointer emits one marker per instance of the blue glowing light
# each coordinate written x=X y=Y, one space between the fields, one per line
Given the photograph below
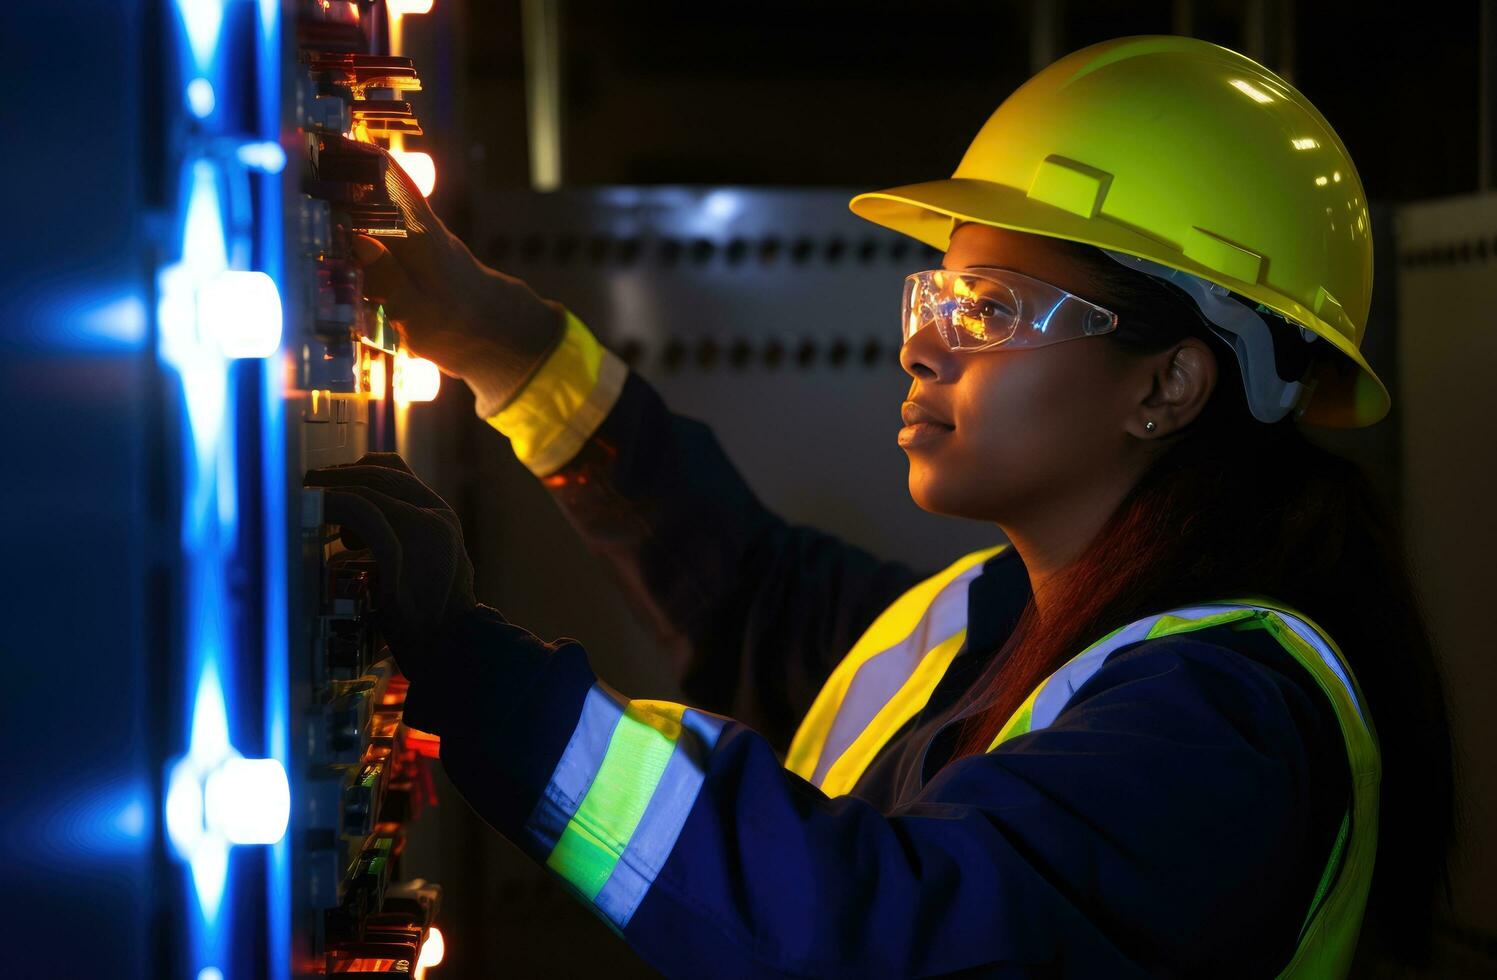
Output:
x=201 y=99
x=211 y=310
x=202 y=20
x=266 y=156
x=273 y=492
x=215 y=798
x=96 y=817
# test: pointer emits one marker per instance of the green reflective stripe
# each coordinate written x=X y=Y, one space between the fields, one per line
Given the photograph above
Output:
x=1018 y=722
x=1168 y=625
x=1329 y=875
x=641 y=745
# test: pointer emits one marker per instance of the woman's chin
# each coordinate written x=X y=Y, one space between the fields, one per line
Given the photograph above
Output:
x=928 y=490
x=947 y=497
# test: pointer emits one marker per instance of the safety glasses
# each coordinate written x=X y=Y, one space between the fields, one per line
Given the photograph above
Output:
x=982 y=308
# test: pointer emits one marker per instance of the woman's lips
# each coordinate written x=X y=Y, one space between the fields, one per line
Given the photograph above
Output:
x=922 y=432
x=921 y=425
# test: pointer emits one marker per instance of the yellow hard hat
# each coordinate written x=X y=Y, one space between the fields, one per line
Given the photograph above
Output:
x=1191 y=156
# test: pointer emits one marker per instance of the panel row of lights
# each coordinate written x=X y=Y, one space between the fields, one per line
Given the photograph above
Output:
x=209 y=314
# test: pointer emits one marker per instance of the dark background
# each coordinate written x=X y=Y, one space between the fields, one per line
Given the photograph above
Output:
x=844 y=93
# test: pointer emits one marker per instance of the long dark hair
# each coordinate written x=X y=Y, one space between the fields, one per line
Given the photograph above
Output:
x=1239 y=507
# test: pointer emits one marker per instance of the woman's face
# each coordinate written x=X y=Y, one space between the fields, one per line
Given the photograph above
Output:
x=1025 y=428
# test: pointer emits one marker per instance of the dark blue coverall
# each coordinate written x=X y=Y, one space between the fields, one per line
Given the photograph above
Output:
x=1173 y=821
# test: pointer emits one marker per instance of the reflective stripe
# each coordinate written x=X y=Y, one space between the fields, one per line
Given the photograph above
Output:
x=563 y=404
x=844 y=774
x=573 y=775
x=879 y=678
x=1051 y=697
x=663 y=819
x=891 y=650
x=619 y=795
x=1328 y=938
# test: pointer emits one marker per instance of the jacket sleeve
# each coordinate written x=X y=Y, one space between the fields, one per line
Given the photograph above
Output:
x=754 y=612
x=1158 y=827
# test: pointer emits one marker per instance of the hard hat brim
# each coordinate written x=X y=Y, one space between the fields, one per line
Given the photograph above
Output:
x=1348 y=392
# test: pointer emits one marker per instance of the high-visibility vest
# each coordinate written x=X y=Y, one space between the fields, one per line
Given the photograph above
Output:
x=892 y=670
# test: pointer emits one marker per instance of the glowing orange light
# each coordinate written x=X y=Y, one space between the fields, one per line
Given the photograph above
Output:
x=416 y=379
x=376 y=362
x=402 y=7
x=421 y=167
x=432 y=952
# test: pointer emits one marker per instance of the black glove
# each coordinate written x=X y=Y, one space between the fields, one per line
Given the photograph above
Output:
x=425 y=577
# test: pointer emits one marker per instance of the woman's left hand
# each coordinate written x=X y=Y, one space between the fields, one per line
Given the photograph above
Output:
x=425 y=578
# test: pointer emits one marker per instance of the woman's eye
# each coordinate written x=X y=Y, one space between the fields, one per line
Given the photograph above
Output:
x=990 y=309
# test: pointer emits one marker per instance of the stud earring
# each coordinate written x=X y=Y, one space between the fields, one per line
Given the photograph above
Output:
x=1149 y=426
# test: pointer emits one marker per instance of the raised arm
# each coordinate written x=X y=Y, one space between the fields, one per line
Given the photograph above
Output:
x=755 y=612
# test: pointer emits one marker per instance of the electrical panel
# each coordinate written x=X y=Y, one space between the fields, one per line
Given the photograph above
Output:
x=238 y=804
x=359 y=775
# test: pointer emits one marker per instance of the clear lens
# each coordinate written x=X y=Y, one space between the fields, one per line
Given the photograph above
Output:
x=983 y=309
x=969 y=311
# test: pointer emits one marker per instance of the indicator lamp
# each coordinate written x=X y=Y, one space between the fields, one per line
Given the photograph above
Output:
x=201 y=98
x=216 y=798
x=243 y=311
x=416 y=379
x=420 y=166
x=432 y=952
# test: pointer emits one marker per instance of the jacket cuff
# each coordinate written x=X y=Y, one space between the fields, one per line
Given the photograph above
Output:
x=563 y=403
x=505 y=704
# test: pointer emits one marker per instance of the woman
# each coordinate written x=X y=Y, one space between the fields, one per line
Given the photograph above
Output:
x=1137 y=740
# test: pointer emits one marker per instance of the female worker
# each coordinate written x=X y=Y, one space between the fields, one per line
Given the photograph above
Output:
x=1140 y=739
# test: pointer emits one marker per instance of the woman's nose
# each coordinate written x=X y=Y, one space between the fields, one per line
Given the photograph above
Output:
x=925 y=357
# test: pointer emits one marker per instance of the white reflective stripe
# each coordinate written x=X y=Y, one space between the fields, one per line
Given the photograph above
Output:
x=665 y=815
x=1300 y=628
x=1062 y=685
x=1312 y=636
x=881 y=676
x=578 y=765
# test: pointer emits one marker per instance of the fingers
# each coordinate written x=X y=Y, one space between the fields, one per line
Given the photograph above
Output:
x=381 y=476
x=399 y=533
x=405 y=195
x=353 y=510
x=385 y=279
x=393 y=461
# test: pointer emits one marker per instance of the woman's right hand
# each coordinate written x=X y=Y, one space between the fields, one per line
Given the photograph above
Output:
x=477 y=323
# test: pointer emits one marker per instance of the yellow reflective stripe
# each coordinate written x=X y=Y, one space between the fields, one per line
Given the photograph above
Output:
x=1354 y=721
x=1329 y=937
x=1168 y=625
x=1329 y=940
x=893 y=625
x=626 y=777
x=904 y=705
x=564 y=402
x=1018 y=722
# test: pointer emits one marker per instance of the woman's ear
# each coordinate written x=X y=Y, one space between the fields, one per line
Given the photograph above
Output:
x=1178 y=385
